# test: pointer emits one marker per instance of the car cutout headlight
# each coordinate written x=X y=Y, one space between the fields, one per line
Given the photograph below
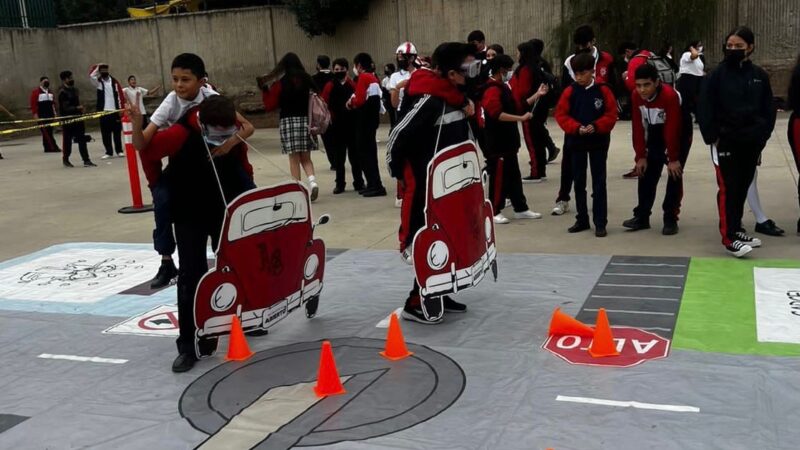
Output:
x=487 y=224
x=312 y=264
x=223 y=297
x=438 y=254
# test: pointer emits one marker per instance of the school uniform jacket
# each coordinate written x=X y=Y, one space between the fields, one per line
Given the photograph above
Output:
x=603 y=68
x=42 y=102
x=579 y=106
x=656 y=123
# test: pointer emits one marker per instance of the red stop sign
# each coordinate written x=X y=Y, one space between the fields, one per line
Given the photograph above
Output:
x=634 y=346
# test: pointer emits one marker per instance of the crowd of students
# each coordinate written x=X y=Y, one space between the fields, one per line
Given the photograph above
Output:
x=463 y=91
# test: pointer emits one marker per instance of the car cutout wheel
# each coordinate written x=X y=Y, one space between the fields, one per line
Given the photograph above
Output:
x=438 y=254
x=311 y=266
x=224 y=297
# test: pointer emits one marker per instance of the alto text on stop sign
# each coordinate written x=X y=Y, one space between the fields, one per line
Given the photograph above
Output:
x=635 y=346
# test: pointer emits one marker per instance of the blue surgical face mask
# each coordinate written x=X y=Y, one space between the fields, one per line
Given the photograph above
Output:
x=216 y=136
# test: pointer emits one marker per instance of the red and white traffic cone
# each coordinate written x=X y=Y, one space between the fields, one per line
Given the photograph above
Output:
x=133 y=170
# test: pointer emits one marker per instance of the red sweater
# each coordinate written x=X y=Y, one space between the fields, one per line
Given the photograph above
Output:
x=367 y=86
x=656 y=123
x=167 y=143
x=633 y=64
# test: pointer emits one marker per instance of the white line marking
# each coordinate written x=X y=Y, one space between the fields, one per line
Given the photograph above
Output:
x=385 y=322
x=629 y=404
x=637 y=298
x=624 y=311
x=655 y=328
x=639 y=286
x=647 y=265
x=94 y=359
x=654 y=275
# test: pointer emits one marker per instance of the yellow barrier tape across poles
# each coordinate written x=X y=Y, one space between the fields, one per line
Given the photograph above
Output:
x=58 y=123
x=12 y=122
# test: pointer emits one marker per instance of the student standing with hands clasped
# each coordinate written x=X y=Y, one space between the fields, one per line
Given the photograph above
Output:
x=736 y=118
x=502 y=142
x=587 y=112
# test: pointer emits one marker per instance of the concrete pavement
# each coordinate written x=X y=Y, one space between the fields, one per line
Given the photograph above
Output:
x=43 y=203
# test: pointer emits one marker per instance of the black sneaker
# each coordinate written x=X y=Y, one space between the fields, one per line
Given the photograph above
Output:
x=183 y=363
x=636 y=223
x=453 y=306
x=578 y=227
x=738 y=249
x=769 y=228
x=670 y=228
x=359 y=188
x=600 y=232
x=89 y=164
x=553 y=154
x=432 y=308
x=338 y=190
x=165 y=274
x=416 y=315
x=374 y=192
x=746 y=239
x=66 y=163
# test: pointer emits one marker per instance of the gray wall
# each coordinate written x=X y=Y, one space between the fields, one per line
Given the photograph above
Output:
x=237 y=45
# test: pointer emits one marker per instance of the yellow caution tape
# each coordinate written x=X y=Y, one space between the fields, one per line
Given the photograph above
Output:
x=59 y=121
x=9 y=122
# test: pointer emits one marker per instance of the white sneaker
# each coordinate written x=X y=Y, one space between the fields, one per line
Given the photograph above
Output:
x=501 y=219
x=749 y=240
x=314 y=190
x=738 y=249
x=527 y=215
x=561 y=208
x=107 y=156
x=120 y=155
x=398 y=203
x=508 y=203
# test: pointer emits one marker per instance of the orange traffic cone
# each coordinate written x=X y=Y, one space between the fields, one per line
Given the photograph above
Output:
x=603 y=343
x=328 y=382
x=395 y=344
x=562 y=324
x=238 y=350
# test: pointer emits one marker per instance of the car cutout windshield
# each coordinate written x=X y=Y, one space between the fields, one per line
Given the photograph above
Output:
x=268 y=214
x=455 y=173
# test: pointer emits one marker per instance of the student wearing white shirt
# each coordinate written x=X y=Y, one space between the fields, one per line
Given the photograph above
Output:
x=109 y=98
x=691 y=73
x=131 y=92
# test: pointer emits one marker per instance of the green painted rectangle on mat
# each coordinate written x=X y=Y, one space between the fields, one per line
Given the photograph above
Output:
x=718 y=311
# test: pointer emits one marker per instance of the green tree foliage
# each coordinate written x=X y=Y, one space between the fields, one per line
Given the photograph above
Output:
x=647 y=23
x=81 y=11
x=317 y=17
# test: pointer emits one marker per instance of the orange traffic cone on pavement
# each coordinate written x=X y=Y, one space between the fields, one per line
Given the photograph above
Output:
x=395 y=344
x=238 y=350
x=562 y=324
x=603 y=343
x=328 y=381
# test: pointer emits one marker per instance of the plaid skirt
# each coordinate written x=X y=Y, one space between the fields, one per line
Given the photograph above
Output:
x=295 y=136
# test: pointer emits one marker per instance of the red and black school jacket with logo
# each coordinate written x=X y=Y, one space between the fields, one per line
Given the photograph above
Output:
x=656 y=123
x=42 y=102
x=367 y=100
x=336 y=94
x=500 y=138
x=431 y=103
x=603 y=68
x=194 y=193
x=592 y=105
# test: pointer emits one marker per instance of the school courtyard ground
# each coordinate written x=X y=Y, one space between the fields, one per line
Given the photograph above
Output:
x=710 y=345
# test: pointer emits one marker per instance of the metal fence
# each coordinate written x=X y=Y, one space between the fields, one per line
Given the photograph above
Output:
x=27 y=13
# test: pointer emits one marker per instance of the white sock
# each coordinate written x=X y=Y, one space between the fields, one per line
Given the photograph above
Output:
x=754 y=201
x=311 y=179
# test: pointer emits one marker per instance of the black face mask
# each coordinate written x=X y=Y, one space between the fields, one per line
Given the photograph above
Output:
x=70 y=83
x=734 y=55
x=339 y=75
x=584 y=50
x=402 y=64
x=104 y=74
x=46 y=84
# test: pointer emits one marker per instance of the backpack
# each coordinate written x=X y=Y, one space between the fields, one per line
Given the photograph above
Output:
x=319 y=118
x=664 y=68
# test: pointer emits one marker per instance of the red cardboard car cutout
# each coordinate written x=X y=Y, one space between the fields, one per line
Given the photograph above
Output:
x=456 y=247
x=268 y=263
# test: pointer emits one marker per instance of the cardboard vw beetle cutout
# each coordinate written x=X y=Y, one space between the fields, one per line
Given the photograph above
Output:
x=456 y=247
x=268 y=263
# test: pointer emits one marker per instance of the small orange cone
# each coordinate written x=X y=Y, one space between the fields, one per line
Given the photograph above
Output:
x=561 y=324
x=238 y=350
x=395 y=344
x=328 y=382
x=603 y=343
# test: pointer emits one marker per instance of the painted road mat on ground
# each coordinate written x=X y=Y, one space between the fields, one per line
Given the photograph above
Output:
x=86 y=353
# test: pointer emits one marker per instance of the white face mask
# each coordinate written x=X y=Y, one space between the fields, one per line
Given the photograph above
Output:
x=216 y=136
x=700 y=49
x=355 y=71
x=507 y=77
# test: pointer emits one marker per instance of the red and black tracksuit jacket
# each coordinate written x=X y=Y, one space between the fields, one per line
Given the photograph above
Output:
x=367 y=104
x=603 y=68
x=524 y=83
x=42 y=103
x=636 y=60
x=794 y=120
x=657 y=126
x=430 y=103
x=736 y=116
